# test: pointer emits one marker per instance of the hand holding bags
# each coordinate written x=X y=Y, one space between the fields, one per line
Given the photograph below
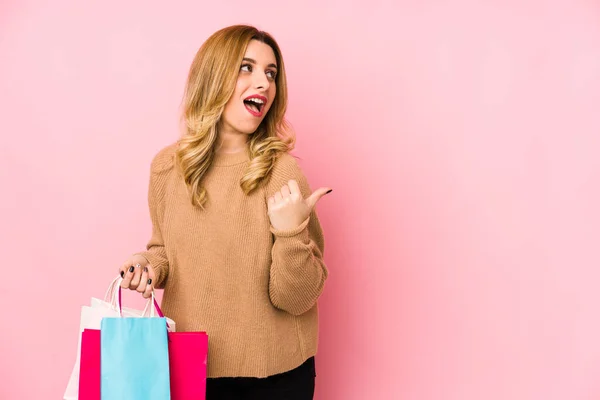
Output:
x=187 y=357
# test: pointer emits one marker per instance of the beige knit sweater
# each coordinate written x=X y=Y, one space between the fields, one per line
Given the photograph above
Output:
x=226 y=271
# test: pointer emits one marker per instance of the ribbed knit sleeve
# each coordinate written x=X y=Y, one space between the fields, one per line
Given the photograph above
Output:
x=160 y=168
x=298 y=273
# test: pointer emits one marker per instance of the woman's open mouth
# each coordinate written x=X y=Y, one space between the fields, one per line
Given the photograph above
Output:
x=255 y=105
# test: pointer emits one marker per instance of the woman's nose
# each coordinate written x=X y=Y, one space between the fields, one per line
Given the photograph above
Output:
x=261 y=81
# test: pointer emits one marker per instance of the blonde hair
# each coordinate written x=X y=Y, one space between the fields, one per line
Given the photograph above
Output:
x=211 y=82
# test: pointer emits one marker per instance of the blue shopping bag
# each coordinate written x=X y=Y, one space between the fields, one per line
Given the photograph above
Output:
x=134 y=359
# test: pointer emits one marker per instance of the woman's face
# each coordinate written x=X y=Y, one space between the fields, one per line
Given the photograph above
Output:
x=254 y=91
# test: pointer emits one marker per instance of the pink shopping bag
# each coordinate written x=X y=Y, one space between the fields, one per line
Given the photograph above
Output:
x=89 y=366
x=188 y=353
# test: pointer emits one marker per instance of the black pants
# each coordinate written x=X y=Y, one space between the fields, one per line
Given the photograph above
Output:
x=297 y=384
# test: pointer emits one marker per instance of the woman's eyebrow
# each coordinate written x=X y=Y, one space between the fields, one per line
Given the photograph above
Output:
x=251 y=61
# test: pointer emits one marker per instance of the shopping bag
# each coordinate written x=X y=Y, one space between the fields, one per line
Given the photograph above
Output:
x=89 y=372
x=188 y=353
x=134 y=359
x=91 y=317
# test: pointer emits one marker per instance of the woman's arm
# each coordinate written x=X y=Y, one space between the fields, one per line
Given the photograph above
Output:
x=298 y=272
x=155 y=249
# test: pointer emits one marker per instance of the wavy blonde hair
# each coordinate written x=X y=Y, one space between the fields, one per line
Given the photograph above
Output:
x=211 y=82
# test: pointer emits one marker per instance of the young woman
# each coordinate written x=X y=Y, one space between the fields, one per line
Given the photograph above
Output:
x=236 y=242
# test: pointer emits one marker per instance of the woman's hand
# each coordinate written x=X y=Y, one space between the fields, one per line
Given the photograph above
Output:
x=287 y=208
x=138 y=275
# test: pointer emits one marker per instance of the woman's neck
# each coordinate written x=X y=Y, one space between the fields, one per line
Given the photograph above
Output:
x=231 y=142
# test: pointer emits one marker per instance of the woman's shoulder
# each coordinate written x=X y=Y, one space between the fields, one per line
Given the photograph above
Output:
x=286 y=163
x=286 y=167
x=164 y=160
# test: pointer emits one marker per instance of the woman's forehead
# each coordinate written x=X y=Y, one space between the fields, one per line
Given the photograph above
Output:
x=260 y=53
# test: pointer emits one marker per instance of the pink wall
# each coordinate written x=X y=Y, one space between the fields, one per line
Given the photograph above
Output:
x=461 y=139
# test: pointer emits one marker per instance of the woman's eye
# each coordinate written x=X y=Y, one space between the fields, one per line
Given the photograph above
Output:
x=248 y=68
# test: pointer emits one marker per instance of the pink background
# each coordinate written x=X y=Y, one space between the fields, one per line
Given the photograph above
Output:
x=461 y=139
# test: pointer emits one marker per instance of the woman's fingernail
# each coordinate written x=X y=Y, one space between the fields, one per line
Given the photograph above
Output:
x=145 y=269
x=329 y=191
x=122 y=274
x=150 y=281
x=131 y=268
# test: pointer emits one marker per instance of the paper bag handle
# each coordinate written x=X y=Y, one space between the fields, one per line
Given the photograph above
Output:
x=114 y=297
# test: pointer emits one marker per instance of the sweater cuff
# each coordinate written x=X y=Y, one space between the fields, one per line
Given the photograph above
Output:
x=301 y=232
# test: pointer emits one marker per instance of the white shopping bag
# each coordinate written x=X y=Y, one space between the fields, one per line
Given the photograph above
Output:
x=91 y=317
